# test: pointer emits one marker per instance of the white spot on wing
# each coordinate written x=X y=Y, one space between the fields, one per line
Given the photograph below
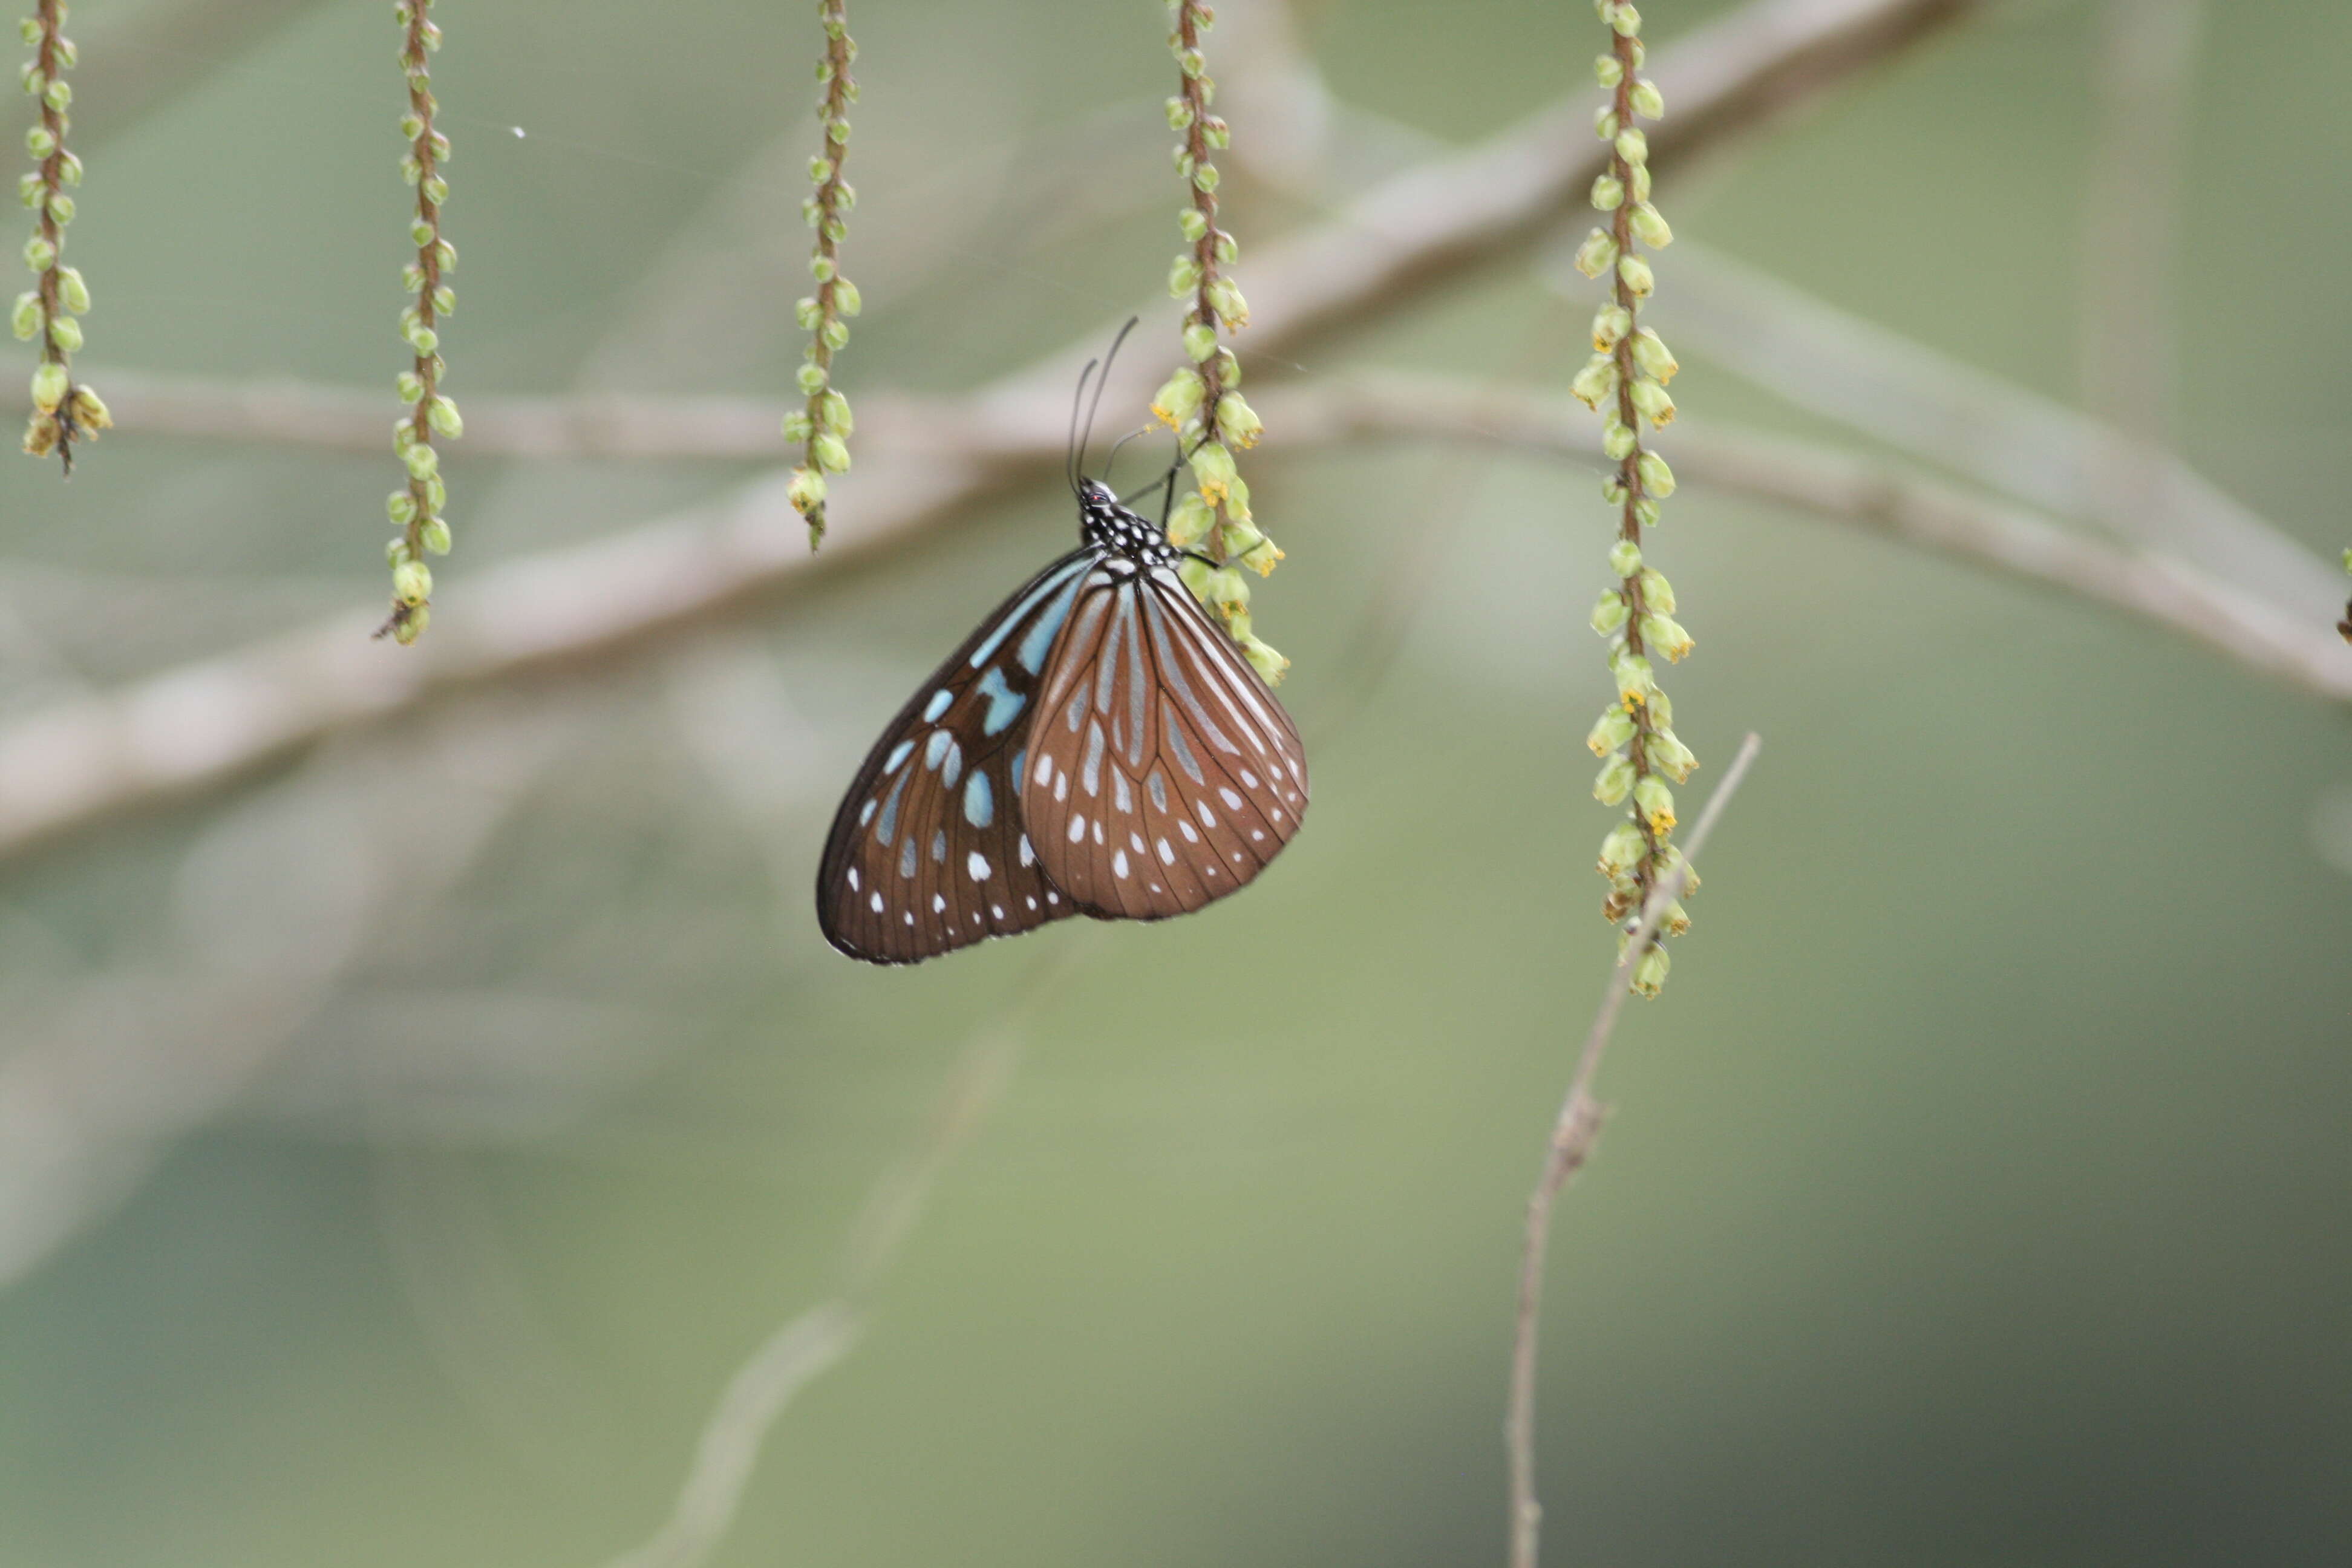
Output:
x=977 y=864
x=1077 y=828
x=1118 y=862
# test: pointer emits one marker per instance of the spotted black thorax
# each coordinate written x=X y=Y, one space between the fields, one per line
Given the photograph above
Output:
x=1107 y=525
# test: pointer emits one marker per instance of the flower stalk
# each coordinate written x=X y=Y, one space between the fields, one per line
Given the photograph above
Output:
x=823 y=425
x=1202 y=402
x=417 y=508
x=64 y=412
x=1625 y=381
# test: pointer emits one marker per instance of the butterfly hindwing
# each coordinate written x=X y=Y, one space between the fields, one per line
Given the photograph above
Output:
x=1161 y=771
x=928 y=852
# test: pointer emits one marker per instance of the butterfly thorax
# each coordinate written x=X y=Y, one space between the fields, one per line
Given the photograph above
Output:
x=1105 y=525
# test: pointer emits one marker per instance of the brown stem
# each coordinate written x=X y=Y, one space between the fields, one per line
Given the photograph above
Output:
x=49 y=59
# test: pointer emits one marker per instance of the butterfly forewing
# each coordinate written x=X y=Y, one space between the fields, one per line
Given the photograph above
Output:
x=1161 y=773
x=928 y=852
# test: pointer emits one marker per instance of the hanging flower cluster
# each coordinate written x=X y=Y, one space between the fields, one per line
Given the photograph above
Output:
x=63 y=412
x=417 y=510
x=1202 y=401
x=1626 y=381
x=822 y=426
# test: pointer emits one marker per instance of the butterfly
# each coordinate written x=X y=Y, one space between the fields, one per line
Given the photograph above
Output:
x=1098 y=747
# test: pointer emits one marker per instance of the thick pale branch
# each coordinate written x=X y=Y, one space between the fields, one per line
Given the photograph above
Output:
x=92 y=758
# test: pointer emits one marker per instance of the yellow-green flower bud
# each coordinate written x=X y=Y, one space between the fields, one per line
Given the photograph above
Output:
x=1648 y=101
x=1610 y=731
x=1180 y=115
x=1651 y=400
x=1609 y=69
x=410 y=626
x=410 y=387
x=1598 y=254
x=1608 y=192
x=1183 y=276
x=807 y=491
x=1623 y=850
x=1635 y=274
x=422 y=461
x=50 y=384
x=1225 y=299
x=39 y=142
x=434 y=535
x=830 y=452
x=1212 y=467
x=1614 y=782
x=1265 y=658
x=1609 y=327
x=1192 y=223
x=1650 y=226
x=403 y=508
x=1237 y=422
x=1610 y=612
x=26 y=318
x=1624 y=558
x=1656 y=803
x=1195 y=574
x=846 y=297
x=1179 y=398
x=72 y=292
x=40 y=255
x=798 y=426
x=1616 y=439
x=1200 y=340
x=836 y=334
x=832 y=413
x=1657 y=479
x=1657 y=594
x=811 y=377
x=1650 y=972
x=1605 y=122
x=412 y=583
x=1631 y=145
x=1190 y=521
x=443 y=415
x=1596 y=382
x=65 y=333
x=1669 y=755
x=1634 y=680
x=1651 y=353
x=1625 y=20
x=1645 y=512
x=1665 y=635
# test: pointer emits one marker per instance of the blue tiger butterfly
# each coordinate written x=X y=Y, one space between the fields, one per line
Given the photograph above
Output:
x=1099 y=746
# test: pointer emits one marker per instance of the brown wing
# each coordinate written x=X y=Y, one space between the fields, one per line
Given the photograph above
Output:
x=927 y=853
x=1162 y=773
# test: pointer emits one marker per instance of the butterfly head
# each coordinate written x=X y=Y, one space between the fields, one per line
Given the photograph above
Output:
x=1104 y=523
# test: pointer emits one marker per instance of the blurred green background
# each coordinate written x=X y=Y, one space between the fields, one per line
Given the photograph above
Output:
x=405 y=1148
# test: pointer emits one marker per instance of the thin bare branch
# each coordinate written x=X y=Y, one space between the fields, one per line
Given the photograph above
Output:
x=1572 y=1137
x=1883 y=497
x=1992 y=432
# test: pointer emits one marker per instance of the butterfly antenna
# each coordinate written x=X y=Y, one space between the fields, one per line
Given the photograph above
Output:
x=1070 y=452
x=1096 y=406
